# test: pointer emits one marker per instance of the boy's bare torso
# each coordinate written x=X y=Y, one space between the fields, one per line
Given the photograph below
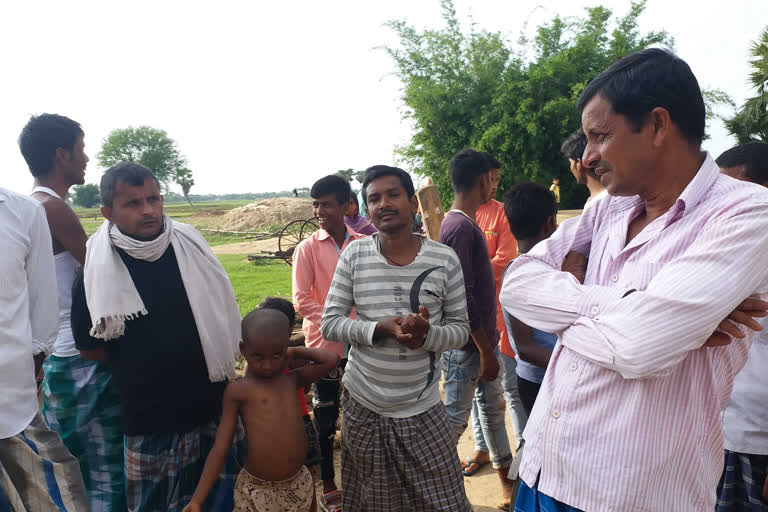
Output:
x=274 y=427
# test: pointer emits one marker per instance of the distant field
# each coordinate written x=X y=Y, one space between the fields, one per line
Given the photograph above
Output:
x=199 y=215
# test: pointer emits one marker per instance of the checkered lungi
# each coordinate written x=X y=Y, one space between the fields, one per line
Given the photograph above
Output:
x=81 y=404
x=741 y=486
x=399 y=464
x=38 y=473
x=162 y=470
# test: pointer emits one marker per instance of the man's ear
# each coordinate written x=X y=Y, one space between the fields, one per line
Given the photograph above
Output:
x=661 y=124
x=414 y=204
x=106 y=212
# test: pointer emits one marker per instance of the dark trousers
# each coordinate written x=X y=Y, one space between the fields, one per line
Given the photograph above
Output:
x=528 y=393
x=325 y=410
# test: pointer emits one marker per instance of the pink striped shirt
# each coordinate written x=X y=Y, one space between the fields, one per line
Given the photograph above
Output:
x=628 y=416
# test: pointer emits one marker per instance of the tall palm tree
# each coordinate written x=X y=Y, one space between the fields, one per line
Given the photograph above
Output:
x=751 y=122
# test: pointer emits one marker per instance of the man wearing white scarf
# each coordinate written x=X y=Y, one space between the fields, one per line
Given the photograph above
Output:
x=156 y=303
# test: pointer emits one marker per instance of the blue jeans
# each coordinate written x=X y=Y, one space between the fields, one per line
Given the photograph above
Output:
x=529 y=499
x=515 y=407
x=461 y=371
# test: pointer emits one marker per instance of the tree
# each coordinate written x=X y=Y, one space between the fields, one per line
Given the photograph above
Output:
x=86 y=196
x=351 y=174
x=149 y=147
x=751 y=122
x=477 y=90
x=185 y=180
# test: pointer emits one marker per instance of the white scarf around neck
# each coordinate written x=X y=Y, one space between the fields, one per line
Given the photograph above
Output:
x=112 y=297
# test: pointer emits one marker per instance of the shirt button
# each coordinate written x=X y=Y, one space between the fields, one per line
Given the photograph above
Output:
x=555 y=414
x=595 y=310
x=614 y=278
x=573 y=367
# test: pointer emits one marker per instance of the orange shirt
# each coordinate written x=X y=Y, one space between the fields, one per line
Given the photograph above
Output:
x=502 y=247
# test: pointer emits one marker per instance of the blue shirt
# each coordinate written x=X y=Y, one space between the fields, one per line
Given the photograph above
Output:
x=526 y=370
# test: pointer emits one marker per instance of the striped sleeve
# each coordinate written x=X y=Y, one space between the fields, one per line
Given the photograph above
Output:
x=454 y=329
x=336 y=324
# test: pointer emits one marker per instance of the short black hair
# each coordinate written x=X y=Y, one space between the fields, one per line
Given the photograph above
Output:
x=466 y=167
x=377 y=171
x=527 y=207
x=492 y=162
x=642 y=81
x=752 y=155
x=42 y=136
x=573 y=147
x=332 y=184
x=282 y=305
x=130 y=173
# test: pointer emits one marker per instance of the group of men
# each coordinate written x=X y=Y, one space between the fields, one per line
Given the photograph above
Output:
x=628 y=334
x=617 y=339
x=136 y=330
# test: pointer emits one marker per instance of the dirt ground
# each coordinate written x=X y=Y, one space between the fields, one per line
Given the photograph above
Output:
x=255 y=247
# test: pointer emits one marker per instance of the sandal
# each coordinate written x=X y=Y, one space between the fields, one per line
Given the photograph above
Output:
x=331 y=502
x=479 y=464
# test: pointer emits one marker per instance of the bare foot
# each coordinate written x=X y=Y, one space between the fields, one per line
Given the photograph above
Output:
x=507 y=487
x=479 y=459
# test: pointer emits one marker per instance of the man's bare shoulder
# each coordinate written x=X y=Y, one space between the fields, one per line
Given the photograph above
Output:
x=53 y=205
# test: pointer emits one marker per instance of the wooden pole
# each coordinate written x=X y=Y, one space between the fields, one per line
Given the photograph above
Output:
x=431 y=210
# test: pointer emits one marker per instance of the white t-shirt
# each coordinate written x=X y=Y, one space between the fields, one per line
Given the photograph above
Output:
x=66 y=269
x=745 y=419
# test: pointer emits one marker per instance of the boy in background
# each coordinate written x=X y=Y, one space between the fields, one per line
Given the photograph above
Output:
x=314 y=263
x=531 y=210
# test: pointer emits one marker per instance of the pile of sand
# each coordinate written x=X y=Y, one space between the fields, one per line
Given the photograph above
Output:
x=277 y=211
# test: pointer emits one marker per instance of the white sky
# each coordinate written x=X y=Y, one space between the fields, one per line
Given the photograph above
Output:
x=266 y=96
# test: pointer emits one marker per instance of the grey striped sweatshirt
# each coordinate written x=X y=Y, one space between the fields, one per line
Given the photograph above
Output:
x=384 y=375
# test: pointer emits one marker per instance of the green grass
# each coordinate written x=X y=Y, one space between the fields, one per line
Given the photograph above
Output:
x=254 y=280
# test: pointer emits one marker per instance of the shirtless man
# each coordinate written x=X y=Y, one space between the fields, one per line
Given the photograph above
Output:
x=79 y=397
x=274 y=477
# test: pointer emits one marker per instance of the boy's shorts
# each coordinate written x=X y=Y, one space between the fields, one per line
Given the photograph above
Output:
x=313 y=443
x=291 y=495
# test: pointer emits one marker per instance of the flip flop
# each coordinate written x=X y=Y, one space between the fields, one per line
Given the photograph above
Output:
x=331 y=502
x=471 y=461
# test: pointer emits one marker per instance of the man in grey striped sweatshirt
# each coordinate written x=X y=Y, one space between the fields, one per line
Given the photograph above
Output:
x=398 y=453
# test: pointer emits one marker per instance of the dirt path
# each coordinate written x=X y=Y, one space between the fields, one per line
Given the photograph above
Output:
x=256 y=247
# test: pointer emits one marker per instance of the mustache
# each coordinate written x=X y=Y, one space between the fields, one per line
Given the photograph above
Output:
x=381 y=213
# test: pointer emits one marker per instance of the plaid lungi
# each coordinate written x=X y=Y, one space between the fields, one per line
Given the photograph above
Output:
x=741 y=486
x=81 y=403
x=399 y=464
x=38 y=473
x=162 y=470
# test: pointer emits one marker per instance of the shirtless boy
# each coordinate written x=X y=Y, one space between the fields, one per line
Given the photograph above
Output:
x=274 y=478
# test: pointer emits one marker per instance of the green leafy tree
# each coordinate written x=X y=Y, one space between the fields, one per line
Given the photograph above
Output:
x=351 y=174
x=149 y=147
x=751 y=122
x=477 y=90
x=347 y=174
x=86 y=196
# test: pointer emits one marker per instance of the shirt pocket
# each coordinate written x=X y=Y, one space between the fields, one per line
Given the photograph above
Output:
x=638 y=275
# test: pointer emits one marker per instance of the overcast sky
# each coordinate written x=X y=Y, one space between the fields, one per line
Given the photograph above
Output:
x=266 y=96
